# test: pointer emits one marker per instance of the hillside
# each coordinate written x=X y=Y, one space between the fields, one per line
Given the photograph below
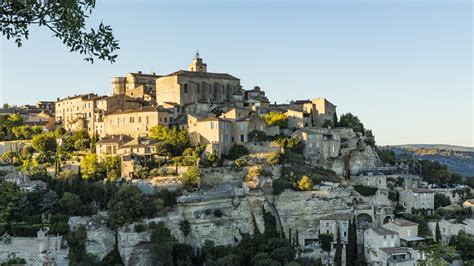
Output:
x=459 y=159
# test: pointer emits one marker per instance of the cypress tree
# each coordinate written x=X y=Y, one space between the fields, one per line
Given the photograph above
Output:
x=338 y=254
x=438 y=233
x=349 y=247
x=354 y=239
x=297 y=240
x=289 y=235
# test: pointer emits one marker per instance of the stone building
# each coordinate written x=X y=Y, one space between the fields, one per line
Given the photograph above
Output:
x=214 y=132
x=139 y=151
x=256 y=100
x=198 y=86
x=320 y=143
x=128 y=84
x=77 y=113
x=407 y=231
x=319 y=109
x=417 y=199
x=371 y=180
x=137 y=122
x=109 y=145
x=330 y=223
x=298 y=119
x=244 y=121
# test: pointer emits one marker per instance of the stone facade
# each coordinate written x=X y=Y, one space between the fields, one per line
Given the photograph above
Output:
x=417 y=198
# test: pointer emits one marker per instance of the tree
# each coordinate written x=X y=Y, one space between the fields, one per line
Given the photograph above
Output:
x=171 y=141
x=89 y=166
x=438 y=237
x=305 y=183
x=44 y=143
x=126 y=206
x=66 y=20
x=351 y=248
x=441 y=200
x=163 y=243
x=191 y=177
x=275 y=119
x=111 y=166
x=436 y=255
x=338 y=254
x=351 y=121
x=70 y=203
x=464 y=244
x=8 y=200
x=236 y=151
x=257 y=136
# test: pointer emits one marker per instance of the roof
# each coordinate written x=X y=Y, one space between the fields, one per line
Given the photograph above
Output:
x=145 y=75
x=412 y=238
x=338 y=216
x=87 y=95
x=394 y=250
x=136 y=110
x=301 y=102
x=32 y=183
x=140 y=142
x=422 y=190
x=202 y=75
x=383 y=231
x=114 y=139
x=403 y=222
x=469 y=201
x=208 y=118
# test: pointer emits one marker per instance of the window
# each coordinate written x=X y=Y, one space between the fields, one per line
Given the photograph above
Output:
x=185 y=88
x=166 y=120
x=345 y=233
x=139 y=119
x=132 y=120
x=211 y=125
x=327 y=224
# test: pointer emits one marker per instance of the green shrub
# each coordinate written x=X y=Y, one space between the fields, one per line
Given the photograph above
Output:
x=61 y=228
x=237 y=151
x=192 y=177
x=365 y=191
x=274 y=158
x=257 y=136
x=138 y=228
x=241 y=162
x=325 y=241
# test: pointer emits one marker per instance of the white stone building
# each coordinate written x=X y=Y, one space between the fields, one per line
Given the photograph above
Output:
x=417 y=199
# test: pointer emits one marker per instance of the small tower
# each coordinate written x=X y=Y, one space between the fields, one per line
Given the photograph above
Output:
x=197 y=65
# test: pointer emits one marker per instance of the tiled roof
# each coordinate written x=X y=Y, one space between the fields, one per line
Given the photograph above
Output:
x=395 y=250
x=202 y=75
x=403 y=222
x=136 y=110
x=338 y=216
x=32 y=183
x=115 y=139
x=383 y=231
x=422 y=190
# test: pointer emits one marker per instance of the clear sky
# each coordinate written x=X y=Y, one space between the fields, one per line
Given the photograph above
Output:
x=404 y=67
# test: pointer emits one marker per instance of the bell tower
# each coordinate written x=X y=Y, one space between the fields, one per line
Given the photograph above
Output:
x=197 y=65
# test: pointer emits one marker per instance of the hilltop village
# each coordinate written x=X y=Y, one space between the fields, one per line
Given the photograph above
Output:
x=190 y=168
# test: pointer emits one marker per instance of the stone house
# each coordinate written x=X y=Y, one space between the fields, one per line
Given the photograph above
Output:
x=214 y=132
x=407 y=230
x=77 y=113
x=137 y=122
x=139 y=151
x=449 y=229
x=320 y=143
x=417 y=199
x=382 y=247
x=330 y=223
x=128 y=84
x=109 y=145
x=377 y=180
x=319 y=109
x=197 y=86
x=298 y=119
x=32 y=185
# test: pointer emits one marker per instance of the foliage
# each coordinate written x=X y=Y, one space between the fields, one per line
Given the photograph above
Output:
x=338 y=254
x=192 y=177
x=351 y=121
x=139 y=227
x=437 y=254
x=77 y=248
x=70 y=203
x=241 y=162
x=111 y=165
x=305 y=183
x=212 y=160
x=8 y=200
x=291 y=144
x=66 y=20
x=163 y=243
x=113 y=258
x=44 y=143
x=369 y=138
x=351 y=248
x=185 y=227
x=275 y=119
x=441 y=200
x=365 y=190
x=325 y=241
x=464 y=244
x=171 y=141
x=438 y=237
x=257 y=136
x=437 y=173
x=387 y=156
x=126 y=206
x=254 y=172
x=90 y=166
x=237 y=151
x=274 y=158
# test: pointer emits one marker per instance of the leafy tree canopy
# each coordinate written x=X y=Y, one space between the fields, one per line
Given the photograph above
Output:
x=65 y=19
x=275 y=119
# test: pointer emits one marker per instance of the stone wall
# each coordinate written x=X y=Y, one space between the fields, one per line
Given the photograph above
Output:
x=263 y=147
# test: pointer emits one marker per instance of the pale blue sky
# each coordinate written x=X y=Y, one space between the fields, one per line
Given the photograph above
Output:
x=403 y=67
